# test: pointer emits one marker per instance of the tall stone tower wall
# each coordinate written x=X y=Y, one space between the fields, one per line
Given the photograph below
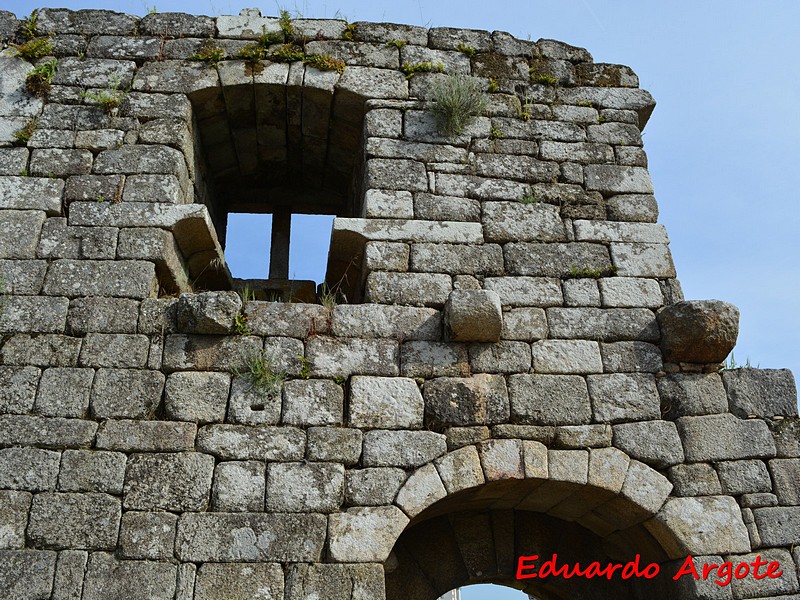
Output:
x=500 y=364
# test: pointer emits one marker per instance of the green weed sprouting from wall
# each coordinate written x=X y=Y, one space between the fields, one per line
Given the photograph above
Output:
x=457 y=100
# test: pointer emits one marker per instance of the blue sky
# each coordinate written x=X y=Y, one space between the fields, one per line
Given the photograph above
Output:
x=723 y=142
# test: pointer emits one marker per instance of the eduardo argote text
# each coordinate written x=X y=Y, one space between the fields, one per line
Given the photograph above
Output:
x=530 y=567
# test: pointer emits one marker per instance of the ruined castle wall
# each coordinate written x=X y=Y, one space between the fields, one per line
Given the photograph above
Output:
x=514 y=341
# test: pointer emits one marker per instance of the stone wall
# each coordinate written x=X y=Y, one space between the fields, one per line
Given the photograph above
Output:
x=515 y=371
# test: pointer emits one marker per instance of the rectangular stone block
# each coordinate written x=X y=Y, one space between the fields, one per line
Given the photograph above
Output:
x=147 y=535
x=175 y=482
x=102 y=315
x=611 y=179
x=24 y=430
x=761 y=392
x=26 y=574
x=114 y=350
x=217 y=581
x=13 y=161
x=18 y=389
x=14 y=508
x=385 y=403
x=724 y=437
x=396 y=174
x=145 y=158
x=631 y=357
x=108 y=577
x=518 y=222
x=146 y=436
x=526 y=291
x=312 y=402
x=556 y=259
x=607 y=325
x=549 y=399
x=334 y=444
x=60 y=240
x=117 y=279
x=406 y=449
x=92 y=471
x=74 y=521
x=28 y=314
x=642 y=260
x=566 y=357
x=434 y=359
x=30 y=469
x=70 y=569
x=502 y=357
x=41 y=350
x=485 y=259
x=629 y=292
x=386 y=256
x=778 y=526
x=239 y=486
x=786 y=475
x=332 y=357
x=238 y=442
x=416 y=289
x=457 y=401
x=304 y=487
x=382 y=321
x=210 y=352
x=430 y=207
x=23 y=277
x=249 y=537
x=197 y=396
x=31 y=193
x=624 y=397
x=524 y=324
x=60 y=162
x=21 y=229
x=126 y=393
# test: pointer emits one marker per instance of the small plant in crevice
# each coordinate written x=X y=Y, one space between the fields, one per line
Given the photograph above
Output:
x=29 y=26
x=247 y=294
x=263 y=376
x=285 y=23
x=426 y=66
x=109 y=99
x=22 y=136
x=529 y=197
x=539 y=73
x=349 y=32
x=730 y=364
x=327 y=296
x=240 y=323
x=37 y=82
x=290 y=52
x=209 y=52
x=457 y=100
x=524 y=107
x=305 y=366
x=466 y=49
x=397 y=43
x=34 y=49
x=340 y=380
x=493 y=85
x=496 y=133
x=588 y=272
x=325 y=62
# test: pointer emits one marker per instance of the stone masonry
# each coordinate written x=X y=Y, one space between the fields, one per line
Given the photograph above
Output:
x=504 y=366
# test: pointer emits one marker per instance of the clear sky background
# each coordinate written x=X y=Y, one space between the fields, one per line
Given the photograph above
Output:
x=723 y=142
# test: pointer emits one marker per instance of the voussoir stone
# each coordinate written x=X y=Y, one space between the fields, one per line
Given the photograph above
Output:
x=698 y=331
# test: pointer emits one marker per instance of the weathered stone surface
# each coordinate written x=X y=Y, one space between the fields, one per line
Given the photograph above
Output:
x=607 y=324
x=434 y=359
x=699 y=331
x=252 y=404
x=147 y=535
x=526 y=291
x=373 y=486
x=421 y=489
x=502 y=357
x=31 y=193
x=476 y=400
x=653 y=442
x=524 y=324
x=688 y=394
x=581 y=292
x=785 y=475
x=483 y=259
x=331 y=357
x=383 y=448
x=752 y=587
x=107 y=577
x=217 y=581
x=293 y=320
x=365 y=534
x=385 y=403
x=29 y=469
x=473 y=316
x=92 y=471
x=461 y=469
x=724 y=437
x=517 y=222
x=778 y=526
x=642 y=260
x=640 y=208
x=14 y=507
x=631 y=357
x=27 y=314
x=26 y=574
x=22 y=228
x=239 y=486
x=175 y=482
x=205 y=353
x=555 y=259
x=197 y=396
x=312 y=402
x=208 y=312
x=126 y=393
x=566 y=357
x=70 y=570
x=744 y=477
x=416 y=289
x=60 y=162
x=623 y=397
x=146 y=436
x=23 y=430
x=75 y=521
x=102 y=315
x=698 y=479
x=377 y=320
x=336 y=582
x=18 y=389
x=761 y=392
x=237 y=442
x=458 y=437
x=23 y=277
x=502 y=459
x=249 y=537
x=630 y=292
x=116 y=279
x=549 y=399
x=304 y=487
x=41 y=350
x=122 y=351
x=706 y=525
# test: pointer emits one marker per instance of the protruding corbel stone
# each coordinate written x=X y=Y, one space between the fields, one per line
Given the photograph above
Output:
x=473 y=316
x=698 y=331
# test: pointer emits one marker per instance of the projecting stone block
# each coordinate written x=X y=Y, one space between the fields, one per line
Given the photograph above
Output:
x=698 y=331
x=76 y=521
x=549 y=399
x=208 y=312
x=107 y=577
x=147 y=535
x=92 y=471
x=216 y=581
x=761 y=392
x=197 y=396
x=249 y=537
x=126 y=393
x=473 y=316
x=404 y=449
x=313 y=402
x=724 y=437
x=653 y=442
x=385 y=403
x=175 y=482
x=26 y=574
x=365 y=534
x=476 y=400
x=624 y=397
